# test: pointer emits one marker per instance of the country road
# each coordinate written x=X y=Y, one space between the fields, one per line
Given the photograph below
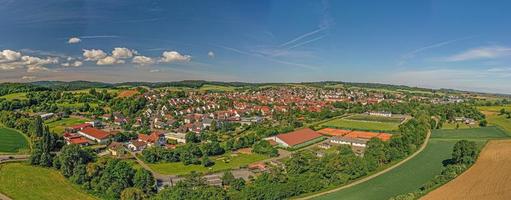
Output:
x=423 y=146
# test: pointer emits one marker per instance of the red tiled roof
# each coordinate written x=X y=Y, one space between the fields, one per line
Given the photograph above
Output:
x=150 y=138
x=79 y=140
x=96 y=133
x=299 y=136
x=80 y=126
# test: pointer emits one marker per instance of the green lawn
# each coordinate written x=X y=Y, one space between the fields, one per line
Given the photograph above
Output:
x=363 y=125
x=460 y=126
x=22 y=181
x=178 y=168
x=373 y=118
x=76 y=105
x=411 y=175
x=19 y=96
x=59 y=126
x=501 y=121
x=12 y=141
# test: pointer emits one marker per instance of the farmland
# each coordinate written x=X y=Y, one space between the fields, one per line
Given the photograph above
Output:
x=224 y=162
x=59 y=125
x=19 y=96
x=22 y=181
x=489 y=178
x=406 y=178
x=494 y=118
x=362 y=125
x=373 y=118
x=12 y=141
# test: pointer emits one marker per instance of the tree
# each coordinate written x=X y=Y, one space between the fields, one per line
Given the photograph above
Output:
x=42 y=153
x=376 y=150
x=191 y=137
x=464 y=152
x=227 y=178
x=145 y=181
x=38 y=126
x=206 y=162
x=483 y=123
x=133 y=194
x=502 y=111
x=264 y=147
x=72 y=156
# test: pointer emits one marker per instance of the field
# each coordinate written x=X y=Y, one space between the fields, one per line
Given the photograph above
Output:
x=178 y=168
x=373 y=118
x=494 y=118
x=127 y=93
x=411 y=175
x=460 y=126
x=12 y=141
x=59 y=126
x=19 y=96
x=22 y=181
x=488 y=178
x=362 y=125
x=217 y=88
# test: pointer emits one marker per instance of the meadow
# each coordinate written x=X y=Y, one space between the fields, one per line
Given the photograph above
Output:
x=12 y=141
x=361 y=125
x=22 y=181
x=19 y=96
x=374 y=118
x=483 y=133
x=221 y=164
x=494 y=117
x=59 y=126
x=457 y=125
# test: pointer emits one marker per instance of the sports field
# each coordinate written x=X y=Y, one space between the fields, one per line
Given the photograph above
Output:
x=373 y=118
x=22 y=181
x=221 y=163
x=12 y=141
x=411 y=175
x=362 y=125
x=59 y=126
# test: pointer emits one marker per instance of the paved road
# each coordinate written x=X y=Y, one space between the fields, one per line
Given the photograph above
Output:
x=374 y=175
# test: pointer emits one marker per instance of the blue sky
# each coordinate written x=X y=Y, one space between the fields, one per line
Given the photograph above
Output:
x=439 y=44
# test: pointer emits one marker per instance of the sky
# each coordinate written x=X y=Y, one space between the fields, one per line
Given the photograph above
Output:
x=458 y=44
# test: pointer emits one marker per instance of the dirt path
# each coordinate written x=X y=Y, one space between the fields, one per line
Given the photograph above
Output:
x=423 y=146
x=488 y=178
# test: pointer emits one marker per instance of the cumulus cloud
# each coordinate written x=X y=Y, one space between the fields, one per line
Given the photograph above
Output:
x=480 y=53
x=211 y=54
x=154 y=70
x=109 y=60
x=9 y=55
x=121 y=52
x=10 y=60
x=72 y=64
x=74 y=40
x=94 y=54
x=142 y=60
x=28 y=77
x=174 y=56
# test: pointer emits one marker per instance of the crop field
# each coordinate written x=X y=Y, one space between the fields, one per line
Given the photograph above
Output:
x=362 y=125
x=127 y=93
x=12 y=141
x=221 y=163
x=19 y=96
x=458 y=126
x=59 y=125
x=373 y=118
x=217 y=88
x=495 y=119
x=411 y=175
x=22 y=181
x=488 y=178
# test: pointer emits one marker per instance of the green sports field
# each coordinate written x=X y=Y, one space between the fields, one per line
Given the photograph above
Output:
x=59 y=125
x=362 y=125
x=411 y=175
x=22 y=181
x=373 y=118
x=12 y=141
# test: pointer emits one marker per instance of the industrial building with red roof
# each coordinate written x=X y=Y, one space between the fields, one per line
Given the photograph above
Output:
x=296 y=137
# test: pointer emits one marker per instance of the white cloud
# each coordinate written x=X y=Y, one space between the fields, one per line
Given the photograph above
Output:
x=9 y=55
x=211 y=54
x=28 y=77
x=174 y=56
x=94 y=54
x=36 y=64
x=72 y=64
x=154 y=70
x=142 y=60
x=74 y=40
x=480 y=53
x=121 y=52
x=36 y=68
x=109 y=60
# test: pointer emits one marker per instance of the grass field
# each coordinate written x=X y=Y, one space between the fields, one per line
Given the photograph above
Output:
x=19 y=96
x=178 y=168
x=75 y=105
x=12 y=141
x=494 y=118
x=363 y=125
x=460 y=126
x=22 y=181
x=373 y=118
x=494 y=108
x=217 y=88
x=59 y=126
x=411 y=175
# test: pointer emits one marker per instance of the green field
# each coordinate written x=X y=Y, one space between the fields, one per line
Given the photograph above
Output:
x=19 y=96
x=59 y=125
x=178 y=168
x=217 y=88
x=494 y=108
x=22 y=181
x=494 y=118
x=460 y=126
x=373 y=118
x=411 y=175
x=12 y=141
x=362 y=125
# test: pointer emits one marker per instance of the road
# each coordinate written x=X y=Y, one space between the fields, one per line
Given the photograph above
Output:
x=423 y=146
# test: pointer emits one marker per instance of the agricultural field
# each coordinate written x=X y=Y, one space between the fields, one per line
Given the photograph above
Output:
x=59 y=125
x=76 y=105
x=361 y=125
x=216 y=88
x=223 y=162
x=22 y=181
x=127 y=93
x=12 y=141
x=373 y=118
x=458 y=125
x=407 y=177
x=495 y=119
x=488 y=178
x=19 y=96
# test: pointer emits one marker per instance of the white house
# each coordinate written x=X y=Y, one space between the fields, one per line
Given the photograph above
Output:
x=349 y=141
